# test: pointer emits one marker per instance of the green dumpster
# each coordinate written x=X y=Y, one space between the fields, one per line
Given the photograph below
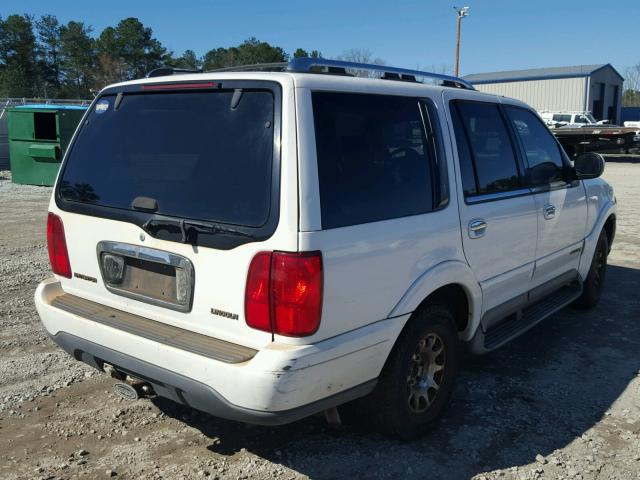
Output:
x=38 y=136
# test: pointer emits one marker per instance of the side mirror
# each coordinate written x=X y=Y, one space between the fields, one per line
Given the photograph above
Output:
x=589 y=165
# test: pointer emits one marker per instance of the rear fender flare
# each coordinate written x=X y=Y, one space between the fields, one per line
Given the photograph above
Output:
x=445 y=273
x=591 y=240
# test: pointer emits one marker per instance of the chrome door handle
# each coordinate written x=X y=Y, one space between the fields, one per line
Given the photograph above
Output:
x=549 y=211
x=477 y=228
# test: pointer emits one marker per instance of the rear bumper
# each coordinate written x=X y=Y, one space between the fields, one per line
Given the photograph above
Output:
x=280 y=384
x=192 y=393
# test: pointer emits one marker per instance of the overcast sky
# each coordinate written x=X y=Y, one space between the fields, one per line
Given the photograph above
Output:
x=497 y=35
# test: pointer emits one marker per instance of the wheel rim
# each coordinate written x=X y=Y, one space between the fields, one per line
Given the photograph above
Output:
x=426 y=372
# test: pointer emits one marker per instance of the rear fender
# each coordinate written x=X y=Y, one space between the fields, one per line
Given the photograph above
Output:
x=445 y=273
x=591 y=239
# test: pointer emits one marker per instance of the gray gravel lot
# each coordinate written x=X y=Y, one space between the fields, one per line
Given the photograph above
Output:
x=561 y=402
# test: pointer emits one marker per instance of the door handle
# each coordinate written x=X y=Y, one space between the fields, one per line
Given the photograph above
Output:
x=549 y=211
x=477 y=228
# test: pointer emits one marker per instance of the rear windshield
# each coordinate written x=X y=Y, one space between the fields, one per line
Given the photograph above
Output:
x=203 y=155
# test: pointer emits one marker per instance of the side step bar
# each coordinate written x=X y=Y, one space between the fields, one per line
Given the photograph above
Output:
x=519 y=322
x=156 y=331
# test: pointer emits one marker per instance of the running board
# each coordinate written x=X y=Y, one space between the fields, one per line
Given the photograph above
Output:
x=520 y=322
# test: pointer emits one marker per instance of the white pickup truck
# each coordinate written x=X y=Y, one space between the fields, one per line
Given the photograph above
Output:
x=570 y=119
x=265 y=245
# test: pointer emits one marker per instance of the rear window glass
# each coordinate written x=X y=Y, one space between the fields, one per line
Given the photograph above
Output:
x=198 y=154
x=374 y=161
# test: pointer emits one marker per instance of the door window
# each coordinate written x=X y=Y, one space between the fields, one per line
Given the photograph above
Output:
x=464 y=156
x=544 y=160
x=482 y=136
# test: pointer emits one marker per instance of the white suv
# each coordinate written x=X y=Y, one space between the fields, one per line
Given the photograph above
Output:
x=265 y=245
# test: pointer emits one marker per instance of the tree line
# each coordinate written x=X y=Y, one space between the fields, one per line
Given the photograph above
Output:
x=43 y=58
x=631 y=95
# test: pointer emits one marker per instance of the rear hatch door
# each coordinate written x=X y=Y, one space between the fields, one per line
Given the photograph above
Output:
x=167 y=193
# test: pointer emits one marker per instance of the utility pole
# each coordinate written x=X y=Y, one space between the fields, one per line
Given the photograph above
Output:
x=462 y=12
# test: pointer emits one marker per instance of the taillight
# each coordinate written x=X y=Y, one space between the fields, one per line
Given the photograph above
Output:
x=257 y=307
x=284 y=293
x=57 y=245
x=296 y=292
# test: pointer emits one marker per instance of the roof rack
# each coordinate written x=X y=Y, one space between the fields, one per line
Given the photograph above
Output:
x=253 y=67
x=162 y=71
x=305 y=64
x=332 y=67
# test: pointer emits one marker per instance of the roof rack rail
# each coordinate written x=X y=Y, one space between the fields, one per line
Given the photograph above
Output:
x=253 y=67
x=333 y=67
x=162 y=71
x=305 y=64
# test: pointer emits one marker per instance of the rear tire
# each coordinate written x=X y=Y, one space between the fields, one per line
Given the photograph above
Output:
x=593 y=284
x=417 y=380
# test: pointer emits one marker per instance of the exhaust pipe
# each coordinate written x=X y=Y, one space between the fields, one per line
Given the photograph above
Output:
x=128 y=387
x=127 y=391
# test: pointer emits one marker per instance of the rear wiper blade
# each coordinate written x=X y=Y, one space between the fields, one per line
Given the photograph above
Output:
x=187 y=226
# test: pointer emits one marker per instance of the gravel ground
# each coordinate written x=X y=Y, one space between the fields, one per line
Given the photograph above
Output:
x=562 y=402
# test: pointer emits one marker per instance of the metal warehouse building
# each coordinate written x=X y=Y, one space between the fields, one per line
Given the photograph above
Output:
x=593 y=88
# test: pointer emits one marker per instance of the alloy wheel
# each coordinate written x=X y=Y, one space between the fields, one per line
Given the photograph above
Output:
x=426 y=372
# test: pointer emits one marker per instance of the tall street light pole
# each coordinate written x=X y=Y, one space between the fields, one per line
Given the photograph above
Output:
x=462 y=12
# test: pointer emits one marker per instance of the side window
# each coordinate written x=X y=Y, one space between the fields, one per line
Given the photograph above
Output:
x=562 y=118
x=545 y=165
x=580 y=119
x=434 y=138
x=489 y=145
x=464 y=155
x=374 y=160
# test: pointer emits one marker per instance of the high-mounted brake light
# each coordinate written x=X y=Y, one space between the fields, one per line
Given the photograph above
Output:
x=284 y=293
x=178 y=86
x=57 y=246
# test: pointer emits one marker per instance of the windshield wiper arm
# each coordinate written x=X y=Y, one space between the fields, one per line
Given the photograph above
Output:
x=186 y=226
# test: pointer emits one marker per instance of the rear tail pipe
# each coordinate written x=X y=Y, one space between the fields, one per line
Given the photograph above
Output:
x=128 y=387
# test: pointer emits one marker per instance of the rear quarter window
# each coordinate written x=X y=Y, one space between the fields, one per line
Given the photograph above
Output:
x=375 y=161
